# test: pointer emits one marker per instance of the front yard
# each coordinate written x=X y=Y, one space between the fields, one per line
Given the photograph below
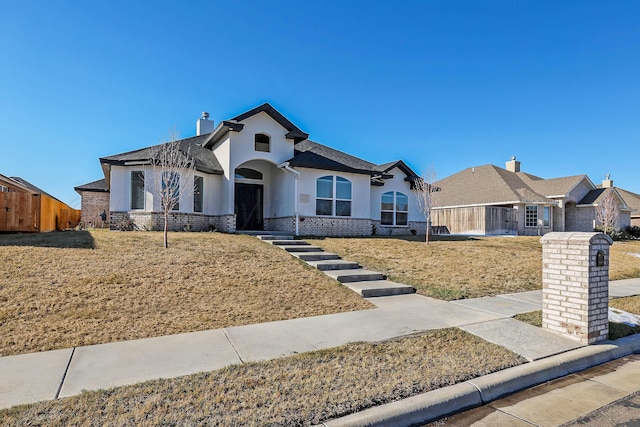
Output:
x=66 y=289
x=466 y=267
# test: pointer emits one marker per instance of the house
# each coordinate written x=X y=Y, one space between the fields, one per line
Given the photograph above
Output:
x=258 y=171
x=26 y=208
x=492 y=200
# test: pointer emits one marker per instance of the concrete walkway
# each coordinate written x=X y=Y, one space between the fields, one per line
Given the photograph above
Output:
x=60 y=373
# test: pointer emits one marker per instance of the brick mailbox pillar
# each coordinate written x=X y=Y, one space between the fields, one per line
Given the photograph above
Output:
x=575 y=285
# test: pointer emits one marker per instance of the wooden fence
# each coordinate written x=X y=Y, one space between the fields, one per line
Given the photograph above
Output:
x=475 y=220
x=29 y=212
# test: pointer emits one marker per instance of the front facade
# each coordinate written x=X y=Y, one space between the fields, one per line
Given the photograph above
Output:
x=490 y=200
x=258 y=171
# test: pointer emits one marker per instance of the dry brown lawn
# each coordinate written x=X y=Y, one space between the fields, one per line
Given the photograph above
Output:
x=294 y=391
x=465 y=267
x=76 y=288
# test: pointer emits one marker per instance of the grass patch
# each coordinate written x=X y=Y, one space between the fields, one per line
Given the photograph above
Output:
x=616 y=330
x=66 y=289
x=294 y=391
x=458 y=267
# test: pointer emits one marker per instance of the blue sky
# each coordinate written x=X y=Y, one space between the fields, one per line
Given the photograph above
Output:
x=442 y=84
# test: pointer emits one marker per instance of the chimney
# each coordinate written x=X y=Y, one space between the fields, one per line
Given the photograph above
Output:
x=204 y=125
x=513 y=165
x=606 y=182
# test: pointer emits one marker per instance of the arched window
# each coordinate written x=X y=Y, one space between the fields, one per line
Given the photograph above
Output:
x=246 y=173
x=333 y=196
x=394 y=208
x=262 y=142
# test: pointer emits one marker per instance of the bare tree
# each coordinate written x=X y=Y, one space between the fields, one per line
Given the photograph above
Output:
x=607 y=212
x=173 y=173
x=423 y=190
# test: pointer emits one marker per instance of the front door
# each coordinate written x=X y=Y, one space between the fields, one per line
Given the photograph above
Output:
x=248 y=206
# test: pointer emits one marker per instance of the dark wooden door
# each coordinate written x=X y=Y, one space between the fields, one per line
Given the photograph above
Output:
x=248 y=206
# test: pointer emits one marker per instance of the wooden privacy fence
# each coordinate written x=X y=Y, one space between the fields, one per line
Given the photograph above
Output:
x=29 y=212
x=475 y=220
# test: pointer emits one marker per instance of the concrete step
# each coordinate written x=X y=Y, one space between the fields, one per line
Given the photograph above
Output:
x=325 y=265
x=379 y=288
x=288 y=242
x=274 y=237
x=355 y=275
x=301 y=248
x=315 y=256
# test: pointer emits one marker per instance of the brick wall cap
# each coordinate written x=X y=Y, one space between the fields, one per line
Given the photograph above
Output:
x=577 y=236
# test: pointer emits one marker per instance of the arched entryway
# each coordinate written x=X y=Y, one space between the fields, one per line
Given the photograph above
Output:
x=249 y=199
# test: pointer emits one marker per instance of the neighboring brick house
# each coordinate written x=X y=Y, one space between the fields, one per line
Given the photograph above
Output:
x=633 y=200
x=258 y=171
x=493 y=200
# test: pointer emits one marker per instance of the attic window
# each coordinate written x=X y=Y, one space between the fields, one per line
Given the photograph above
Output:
x=246 y=173
x=262 y=142
x=4 y=189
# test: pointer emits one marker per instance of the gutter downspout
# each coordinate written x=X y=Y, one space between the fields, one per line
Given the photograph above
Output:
x=286 y=166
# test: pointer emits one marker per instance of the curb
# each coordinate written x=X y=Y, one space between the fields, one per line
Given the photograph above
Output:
x=446 y=401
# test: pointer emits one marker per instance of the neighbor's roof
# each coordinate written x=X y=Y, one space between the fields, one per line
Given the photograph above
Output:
x=205 y=160
x=485 y=185
x=95 y=186
x=30 y=186
x=551 y=187
x=632 y=200
x=594 y=197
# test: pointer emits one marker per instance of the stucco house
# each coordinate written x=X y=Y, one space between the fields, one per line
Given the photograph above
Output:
x=258 y=171
x=489 y=199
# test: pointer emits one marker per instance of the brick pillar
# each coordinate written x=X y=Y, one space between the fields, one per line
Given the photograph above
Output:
x=575 y=285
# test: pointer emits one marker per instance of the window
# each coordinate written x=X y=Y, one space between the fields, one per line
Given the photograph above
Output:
x=171 y=183
x=198 y=185
x=546 y=216
x=326 y=203
x=246 y=173
x=394 y=208
x=262 y=142
x=531 y=216
x=137 y=190
x=4 y=189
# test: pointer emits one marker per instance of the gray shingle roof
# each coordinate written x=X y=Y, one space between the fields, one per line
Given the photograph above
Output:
x=631 y=199
x=95 y=186
x=309 y=154
x=551 y=187
x=30 y=186
x=485 y=185
x=205 y=160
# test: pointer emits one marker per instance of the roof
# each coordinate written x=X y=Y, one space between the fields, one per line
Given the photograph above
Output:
x=95 y=186
x=205 y=160
x=386 y=167
x=30 y=186
x=551 y=187
x=309 y=154
x=632 y=200
x=234 y=125
x=485 y=185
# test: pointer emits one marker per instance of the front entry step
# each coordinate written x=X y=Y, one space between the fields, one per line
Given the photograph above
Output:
x=280 y=242
x=380 y=288
x=301 y=248
x=325 y=265
x=269 y=237
x=355 y=275
x=314 y=256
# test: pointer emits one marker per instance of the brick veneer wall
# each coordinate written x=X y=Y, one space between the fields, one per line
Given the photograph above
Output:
x=579 y=219
x=575 y=290
x=336 y=227
x=92 y=205
x=178 y=221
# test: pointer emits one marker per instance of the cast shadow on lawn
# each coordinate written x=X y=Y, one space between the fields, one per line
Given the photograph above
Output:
x=52 y=239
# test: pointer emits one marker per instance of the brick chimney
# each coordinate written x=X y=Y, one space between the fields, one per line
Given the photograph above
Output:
x=204 y=125
x=513 y=165
x=607 y=182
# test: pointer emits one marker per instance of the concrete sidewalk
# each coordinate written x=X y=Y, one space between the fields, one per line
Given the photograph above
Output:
x=48 y=375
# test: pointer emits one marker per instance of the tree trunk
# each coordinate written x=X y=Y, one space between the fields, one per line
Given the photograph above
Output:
x=426 y=240
x=166 y=229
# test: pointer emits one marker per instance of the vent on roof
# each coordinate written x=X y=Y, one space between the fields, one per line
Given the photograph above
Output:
x=204 y=125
